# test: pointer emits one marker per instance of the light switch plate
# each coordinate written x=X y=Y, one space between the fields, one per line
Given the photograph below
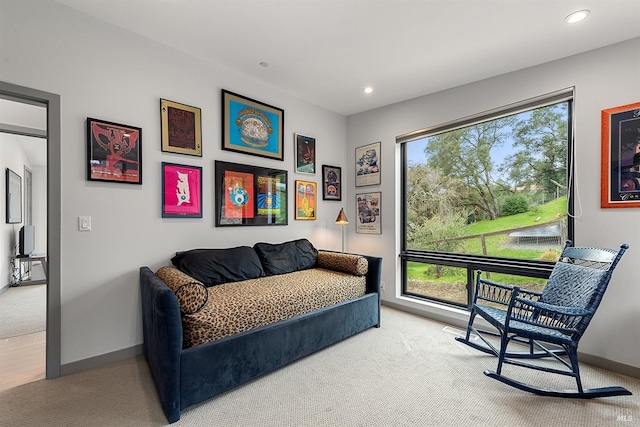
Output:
x=84 y=223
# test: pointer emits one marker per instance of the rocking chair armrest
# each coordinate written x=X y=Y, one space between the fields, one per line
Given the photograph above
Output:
x=550 y=309
x=564 y=319
x=493 y=291
x=492 y=283
x=501 y=293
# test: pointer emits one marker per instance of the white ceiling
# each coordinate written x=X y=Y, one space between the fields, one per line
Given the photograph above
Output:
x=327 y=51
x=17 y=116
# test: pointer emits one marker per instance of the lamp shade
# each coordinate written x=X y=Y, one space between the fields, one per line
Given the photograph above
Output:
x=342 y=218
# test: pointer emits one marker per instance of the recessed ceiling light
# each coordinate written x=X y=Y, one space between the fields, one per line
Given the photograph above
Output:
x=368 y=89
x=576 y=16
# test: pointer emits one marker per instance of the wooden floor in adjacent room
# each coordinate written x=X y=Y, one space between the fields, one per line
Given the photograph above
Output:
x=22 y=359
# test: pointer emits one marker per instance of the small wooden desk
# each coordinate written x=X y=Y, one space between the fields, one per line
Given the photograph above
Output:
x=16 y=264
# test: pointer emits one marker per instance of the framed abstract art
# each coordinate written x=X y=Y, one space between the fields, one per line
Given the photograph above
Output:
x=181 y=128
x=250 y=195
x=305 y=147
x=114 y=152
x=252 y=127
x=181 y=191
x=306 y=200
x=331 y=182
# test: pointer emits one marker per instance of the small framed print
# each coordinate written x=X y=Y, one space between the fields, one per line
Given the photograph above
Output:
x=368 y=208
x=331 y=182
x=305 y=154
x=114 y=152
x=250 y=195
x=252 y=127
x=181 y=191
x=181 y=128
x=13 y=197
x=306 y=200
x=620 y=158
x=368 y=165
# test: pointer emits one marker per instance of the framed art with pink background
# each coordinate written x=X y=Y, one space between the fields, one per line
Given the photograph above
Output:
x=181 y=191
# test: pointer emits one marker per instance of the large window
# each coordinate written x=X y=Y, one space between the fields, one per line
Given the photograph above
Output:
x=490 y=192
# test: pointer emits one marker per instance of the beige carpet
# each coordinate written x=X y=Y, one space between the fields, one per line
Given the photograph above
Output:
x=23 y=310
x=409 y=372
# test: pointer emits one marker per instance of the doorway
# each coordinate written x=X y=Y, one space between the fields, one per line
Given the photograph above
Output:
x=51 y=192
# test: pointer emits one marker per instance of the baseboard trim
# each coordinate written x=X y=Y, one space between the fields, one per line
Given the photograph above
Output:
x=609 y=365
x=103 y=359
x=600 y=362
x=418 y=312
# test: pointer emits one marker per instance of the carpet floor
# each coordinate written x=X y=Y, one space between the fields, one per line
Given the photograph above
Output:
x=409 y=372
x=23 y=310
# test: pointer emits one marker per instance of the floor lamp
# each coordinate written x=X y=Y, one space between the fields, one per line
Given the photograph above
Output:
x=342 y=220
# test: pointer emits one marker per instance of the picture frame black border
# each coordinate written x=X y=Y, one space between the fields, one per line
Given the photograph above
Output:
x=325 y=170
x=11 y=176
x=258 y=220
x=297 y=138
x=226 y=126
x=89 y=151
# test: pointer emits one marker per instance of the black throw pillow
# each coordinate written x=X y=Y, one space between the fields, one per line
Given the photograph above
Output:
x=286 y=257
x=216 y=266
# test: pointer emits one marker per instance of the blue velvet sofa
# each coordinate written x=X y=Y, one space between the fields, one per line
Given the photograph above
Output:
x=186 y=376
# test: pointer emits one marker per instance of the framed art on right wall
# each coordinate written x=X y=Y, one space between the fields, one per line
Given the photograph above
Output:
x=620 y=168
x=368 y=165
x=368 y=208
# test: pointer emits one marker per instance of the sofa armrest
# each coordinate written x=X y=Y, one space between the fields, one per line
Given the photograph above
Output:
x=374 y=273
x=162 y=332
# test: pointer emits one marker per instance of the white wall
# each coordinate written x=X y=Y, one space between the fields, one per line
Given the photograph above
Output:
x=109 y=73
x=39 y=214
x=603 y=78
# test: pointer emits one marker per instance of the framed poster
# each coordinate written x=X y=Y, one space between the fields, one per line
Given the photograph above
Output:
x=305 y=147
x=181 y=128
x=114 y=152
x=368 y=208
x=306 y=200
x=181 y=191
x=331 y=182
x=368 y=165
x=620 y=167
x=251 y=127
x=250 y=195
x=13 y=197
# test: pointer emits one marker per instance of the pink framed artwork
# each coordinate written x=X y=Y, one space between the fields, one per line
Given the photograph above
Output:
x=181 y=191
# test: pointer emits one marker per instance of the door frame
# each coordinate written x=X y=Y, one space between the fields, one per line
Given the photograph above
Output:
x=52 y=103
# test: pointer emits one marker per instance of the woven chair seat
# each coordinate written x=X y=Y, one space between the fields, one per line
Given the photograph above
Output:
x=497 y=318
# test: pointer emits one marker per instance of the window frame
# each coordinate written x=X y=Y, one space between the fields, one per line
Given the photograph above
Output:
x=473 y=262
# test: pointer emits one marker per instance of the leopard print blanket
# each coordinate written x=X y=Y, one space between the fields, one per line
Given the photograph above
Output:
x=236 y=307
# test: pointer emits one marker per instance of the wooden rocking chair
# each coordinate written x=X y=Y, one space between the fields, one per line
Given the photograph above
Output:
x=550 y=323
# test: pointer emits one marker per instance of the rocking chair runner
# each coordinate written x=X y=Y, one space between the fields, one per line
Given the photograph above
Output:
x=550 y=323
